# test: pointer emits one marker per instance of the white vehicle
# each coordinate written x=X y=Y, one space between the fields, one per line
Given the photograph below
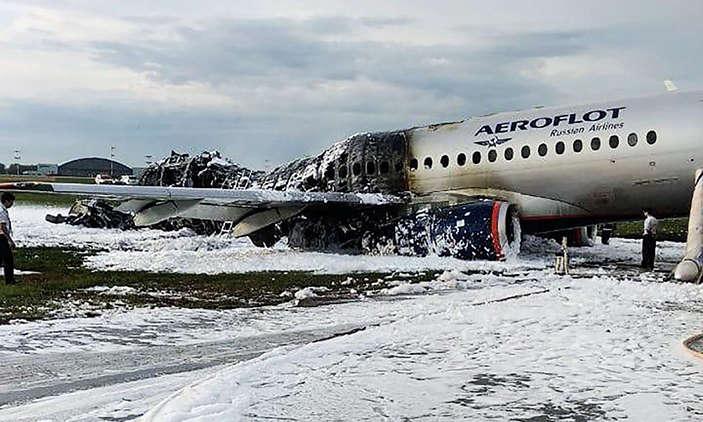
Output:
x=464 y=189
x=104 y=179
x=129 y=180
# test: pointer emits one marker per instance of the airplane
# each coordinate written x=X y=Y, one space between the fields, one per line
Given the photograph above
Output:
x=466 y=189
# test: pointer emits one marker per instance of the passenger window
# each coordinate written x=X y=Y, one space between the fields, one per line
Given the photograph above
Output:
x=492 y=155
x=559 y=147
x=461 y=159
x=508 y=153
x=342 y=172
x=542 y=150
x=614 y=141
x=385 y=167
x=329 y=173
x=632 y=139
x=370 y=167
x=595 y=144
x=578 y=145
x=445 y=161
x=525 y=151
x=651 y=137
x=428 y=163
x=476 y=157
x=413 y=164
x=356 y=169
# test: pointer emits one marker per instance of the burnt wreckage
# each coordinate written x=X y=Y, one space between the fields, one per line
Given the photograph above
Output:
x=363 y=163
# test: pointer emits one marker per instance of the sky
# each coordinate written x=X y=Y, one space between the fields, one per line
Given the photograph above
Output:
x=268 y=81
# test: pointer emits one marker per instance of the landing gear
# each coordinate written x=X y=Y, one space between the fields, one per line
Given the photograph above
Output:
x=606 y=231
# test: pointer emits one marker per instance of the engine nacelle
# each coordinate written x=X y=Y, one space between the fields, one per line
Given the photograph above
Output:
x=480 y=230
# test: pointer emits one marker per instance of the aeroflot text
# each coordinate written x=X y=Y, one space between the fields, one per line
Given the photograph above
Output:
x=543 y=122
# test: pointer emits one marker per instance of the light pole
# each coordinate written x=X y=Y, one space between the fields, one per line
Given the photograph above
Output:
x=18 y=157
x=112 y=159
x=148 y=159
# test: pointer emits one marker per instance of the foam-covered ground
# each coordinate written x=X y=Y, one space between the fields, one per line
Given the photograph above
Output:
x=517 y=344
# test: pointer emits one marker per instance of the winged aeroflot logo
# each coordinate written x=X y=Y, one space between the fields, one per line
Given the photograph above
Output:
x=493 y=142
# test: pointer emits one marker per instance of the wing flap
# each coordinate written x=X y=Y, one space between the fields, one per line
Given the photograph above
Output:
x=160 y=211
x=262 y=219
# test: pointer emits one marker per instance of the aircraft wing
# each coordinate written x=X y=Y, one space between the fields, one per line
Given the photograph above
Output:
x=248 y=209
x=234 y=197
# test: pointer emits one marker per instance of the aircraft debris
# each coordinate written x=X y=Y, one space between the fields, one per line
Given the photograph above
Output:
x=96 y=213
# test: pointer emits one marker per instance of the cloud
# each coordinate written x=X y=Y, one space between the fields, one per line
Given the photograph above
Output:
x=273 y=80
x=247 y=57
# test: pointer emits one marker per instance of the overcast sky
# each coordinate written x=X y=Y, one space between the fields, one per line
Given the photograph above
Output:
x=267 y=81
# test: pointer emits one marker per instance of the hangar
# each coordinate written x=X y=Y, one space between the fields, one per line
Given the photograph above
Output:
x=91 y=167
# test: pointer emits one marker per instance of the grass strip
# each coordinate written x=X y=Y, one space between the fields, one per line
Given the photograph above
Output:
x=61 y=283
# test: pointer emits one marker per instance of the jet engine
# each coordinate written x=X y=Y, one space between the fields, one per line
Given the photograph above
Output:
x=486 y=229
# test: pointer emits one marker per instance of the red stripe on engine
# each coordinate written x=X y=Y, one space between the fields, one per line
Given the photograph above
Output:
x=494 y=229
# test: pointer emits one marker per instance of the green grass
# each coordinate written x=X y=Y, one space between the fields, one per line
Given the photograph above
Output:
x=674 y=229
x=62 y=280
x=31 y=198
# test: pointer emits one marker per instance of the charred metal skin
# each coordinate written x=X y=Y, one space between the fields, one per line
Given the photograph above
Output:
x=206 y=170
x=342 y=229
x=363 y=163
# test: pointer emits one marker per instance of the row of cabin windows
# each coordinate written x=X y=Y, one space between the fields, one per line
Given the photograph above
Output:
x=542 y=149
x=384 y=167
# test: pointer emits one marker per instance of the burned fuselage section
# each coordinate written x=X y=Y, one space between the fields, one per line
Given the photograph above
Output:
x=207 y=170
x=363 y=163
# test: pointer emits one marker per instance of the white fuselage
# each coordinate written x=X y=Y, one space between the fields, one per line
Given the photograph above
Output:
x=648 y=152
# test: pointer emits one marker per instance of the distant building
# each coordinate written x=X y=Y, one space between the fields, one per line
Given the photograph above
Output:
x=91 y=167
x=48 y=169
